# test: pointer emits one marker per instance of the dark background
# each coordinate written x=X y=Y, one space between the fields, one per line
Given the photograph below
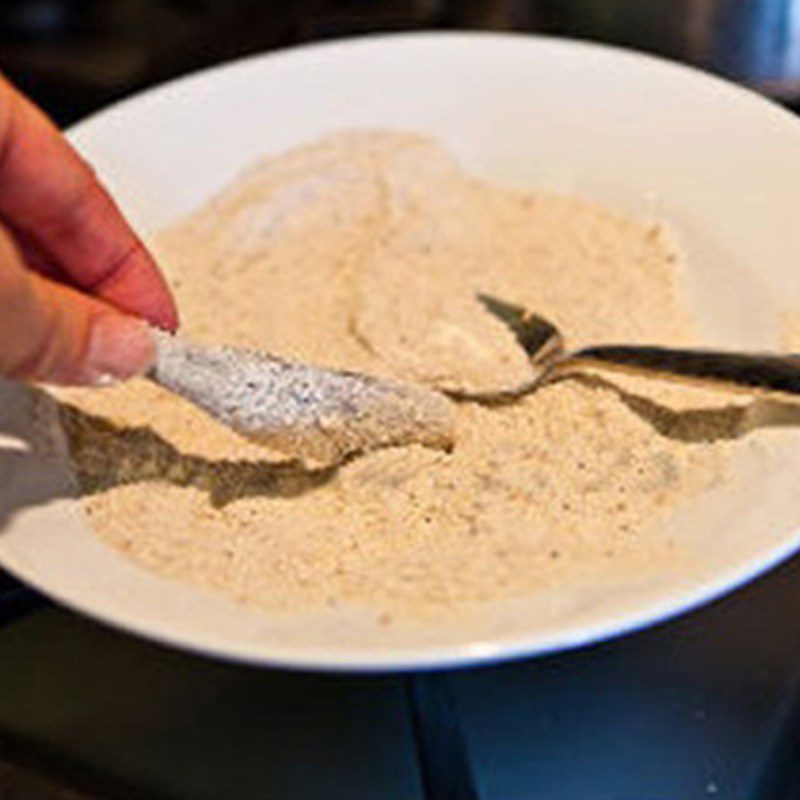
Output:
x=73 y=56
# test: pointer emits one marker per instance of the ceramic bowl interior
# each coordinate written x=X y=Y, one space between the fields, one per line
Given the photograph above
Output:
x=719 y=164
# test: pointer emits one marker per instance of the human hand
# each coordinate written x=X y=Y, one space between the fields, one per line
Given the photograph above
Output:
x=76 y=283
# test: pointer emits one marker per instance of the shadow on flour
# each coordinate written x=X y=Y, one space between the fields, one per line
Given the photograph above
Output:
x=107 y=455
x=697 y=425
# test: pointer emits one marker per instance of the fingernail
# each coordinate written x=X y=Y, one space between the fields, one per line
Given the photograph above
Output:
x=120 y=347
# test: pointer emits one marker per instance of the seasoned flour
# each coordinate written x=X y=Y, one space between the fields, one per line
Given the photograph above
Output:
x=365 y=252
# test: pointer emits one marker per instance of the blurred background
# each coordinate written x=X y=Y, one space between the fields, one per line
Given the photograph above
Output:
x=74 y=56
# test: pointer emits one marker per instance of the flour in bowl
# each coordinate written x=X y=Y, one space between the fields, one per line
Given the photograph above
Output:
x=366 y=251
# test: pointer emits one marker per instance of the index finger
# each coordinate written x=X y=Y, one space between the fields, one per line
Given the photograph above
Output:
x=48 y=192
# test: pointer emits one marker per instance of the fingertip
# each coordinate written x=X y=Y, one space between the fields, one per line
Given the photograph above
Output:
x=161 y=313
x=53 y=334
x=119 y=347
x=137 y=286
x=167 y=316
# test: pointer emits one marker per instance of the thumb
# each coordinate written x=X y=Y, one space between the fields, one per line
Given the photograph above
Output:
x=54 y=334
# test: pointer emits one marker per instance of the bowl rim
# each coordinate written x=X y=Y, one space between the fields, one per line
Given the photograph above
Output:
x=426 y=657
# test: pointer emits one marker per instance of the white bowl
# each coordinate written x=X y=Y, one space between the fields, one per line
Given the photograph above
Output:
x=720 y=163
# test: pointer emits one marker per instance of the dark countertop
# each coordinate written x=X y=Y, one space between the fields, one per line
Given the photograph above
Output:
x=704 y=706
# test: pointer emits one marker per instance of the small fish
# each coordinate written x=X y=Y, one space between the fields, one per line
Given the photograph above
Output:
x=315 y=414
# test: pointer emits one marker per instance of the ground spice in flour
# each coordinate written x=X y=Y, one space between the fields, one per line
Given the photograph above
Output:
x=365 y=251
